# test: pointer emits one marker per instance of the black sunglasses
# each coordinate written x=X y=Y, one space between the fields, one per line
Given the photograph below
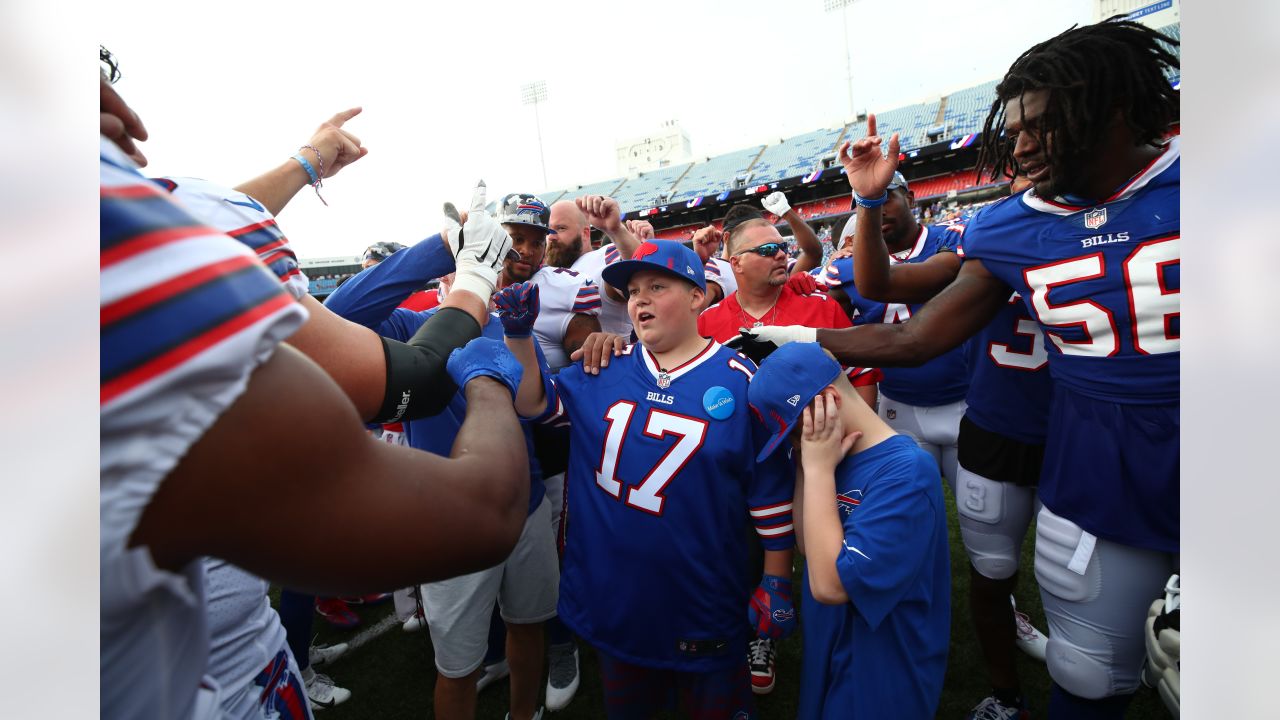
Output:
x=766 y=250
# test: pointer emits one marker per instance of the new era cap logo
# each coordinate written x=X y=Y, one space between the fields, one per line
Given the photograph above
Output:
x=794 y=400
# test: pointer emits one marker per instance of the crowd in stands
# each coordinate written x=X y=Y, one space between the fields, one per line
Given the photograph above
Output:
x=727 y=406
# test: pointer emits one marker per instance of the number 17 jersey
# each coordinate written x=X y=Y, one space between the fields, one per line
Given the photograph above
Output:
x=662 y=489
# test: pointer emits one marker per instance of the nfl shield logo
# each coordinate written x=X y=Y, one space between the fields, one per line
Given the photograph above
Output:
x=1095 y=218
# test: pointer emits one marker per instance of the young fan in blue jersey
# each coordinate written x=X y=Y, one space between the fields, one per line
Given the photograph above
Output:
x=872 y=526
x=660 y=488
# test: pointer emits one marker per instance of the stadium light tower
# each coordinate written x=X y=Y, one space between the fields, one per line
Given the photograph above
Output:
x=843 y=5
x=533 y=94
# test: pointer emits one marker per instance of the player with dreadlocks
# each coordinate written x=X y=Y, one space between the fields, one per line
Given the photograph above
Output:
x=1093 y=250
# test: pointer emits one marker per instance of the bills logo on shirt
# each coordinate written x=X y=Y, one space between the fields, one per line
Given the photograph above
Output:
x=1095 y=218
x=847 y=501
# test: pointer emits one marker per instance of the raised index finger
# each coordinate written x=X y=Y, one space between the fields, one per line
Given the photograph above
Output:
x=339 y=118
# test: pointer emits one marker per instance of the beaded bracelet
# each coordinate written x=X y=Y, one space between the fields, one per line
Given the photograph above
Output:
x=316 y=178
x=871 y=202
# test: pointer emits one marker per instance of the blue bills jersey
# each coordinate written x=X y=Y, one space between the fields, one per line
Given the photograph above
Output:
x=883 y=654
x=1103 y=282
x=944 y=379
x=662 y=489
x=1009 y=384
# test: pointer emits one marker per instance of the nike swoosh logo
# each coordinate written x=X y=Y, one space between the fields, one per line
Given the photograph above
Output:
x=250 y=204
x=854 y=549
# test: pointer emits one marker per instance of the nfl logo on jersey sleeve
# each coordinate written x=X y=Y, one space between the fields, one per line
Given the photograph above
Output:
x=1095 y=218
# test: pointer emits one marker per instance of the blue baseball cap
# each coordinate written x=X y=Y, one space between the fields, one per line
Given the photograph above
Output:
x=788 y=380
x=665 y=255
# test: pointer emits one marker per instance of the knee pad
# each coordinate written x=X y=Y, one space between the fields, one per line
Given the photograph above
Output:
x=993 y=556
x=1079 y=670
x=991 y=524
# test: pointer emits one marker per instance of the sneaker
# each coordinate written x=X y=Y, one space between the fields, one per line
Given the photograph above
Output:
x=1030 y=640
x=992 y=709
x=337 y=613
x=323 y=693
x=318 y=655
x=492 y=674
x=562 y=676
x=760 y=657
x=415 y=623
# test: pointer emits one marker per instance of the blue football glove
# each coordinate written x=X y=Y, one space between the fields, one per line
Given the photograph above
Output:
x=517 y=307
x=487 y=357
x=770 y=611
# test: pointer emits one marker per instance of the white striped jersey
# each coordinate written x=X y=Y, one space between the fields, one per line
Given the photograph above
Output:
x=562 y=293
x=720 y=272
x=186 y=314
x=244 y=219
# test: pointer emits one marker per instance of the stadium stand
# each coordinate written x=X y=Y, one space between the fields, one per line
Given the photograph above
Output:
x=795 y=156
x=911 y=123
x=605 y=187
x=966 y=110
x=828 y=206
x=708 y=177
x=647 y=189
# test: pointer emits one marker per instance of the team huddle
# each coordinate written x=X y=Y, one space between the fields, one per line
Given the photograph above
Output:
x=625 y=446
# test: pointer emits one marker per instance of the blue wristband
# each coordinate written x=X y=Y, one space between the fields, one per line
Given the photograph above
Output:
x=307 y=166
x=871 y=202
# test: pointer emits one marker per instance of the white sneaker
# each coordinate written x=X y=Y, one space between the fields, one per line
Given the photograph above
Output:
x=492 y=673
x=1030 y=640
x=322 y=692
x=318 y=655
x=536 y=716
x=414 y=624
x=992 y=709
x=562 y=676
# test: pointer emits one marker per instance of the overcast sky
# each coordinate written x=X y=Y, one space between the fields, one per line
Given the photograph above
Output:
x=229 y=90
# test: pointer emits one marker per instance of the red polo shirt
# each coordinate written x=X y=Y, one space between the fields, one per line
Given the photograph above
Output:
x=722 y=320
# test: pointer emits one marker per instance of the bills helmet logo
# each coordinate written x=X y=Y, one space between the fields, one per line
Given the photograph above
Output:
x=1095 y=218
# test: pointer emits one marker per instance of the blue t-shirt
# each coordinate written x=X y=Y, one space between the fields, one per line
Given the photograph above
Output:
x=883 y=654
x=944 y=379
x=662 y=487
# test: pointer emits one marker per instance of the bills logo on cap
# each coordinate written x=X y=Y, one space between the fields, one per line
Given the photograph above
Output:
x=1095 y=218
x=646 y=249
x=718 y=402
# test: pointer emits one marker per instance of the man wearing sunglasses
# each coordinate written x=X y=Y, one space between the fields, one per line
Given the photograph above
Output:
x=758 y=258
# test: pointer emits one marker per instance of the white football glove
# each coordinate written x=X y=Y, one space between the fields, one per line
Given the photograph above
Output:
x=482 y=245
x=782 y=334
x=777 y=203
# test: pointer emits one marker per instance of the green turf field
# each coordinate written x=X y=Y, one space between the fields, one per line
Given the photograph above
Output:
x=393 y=675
